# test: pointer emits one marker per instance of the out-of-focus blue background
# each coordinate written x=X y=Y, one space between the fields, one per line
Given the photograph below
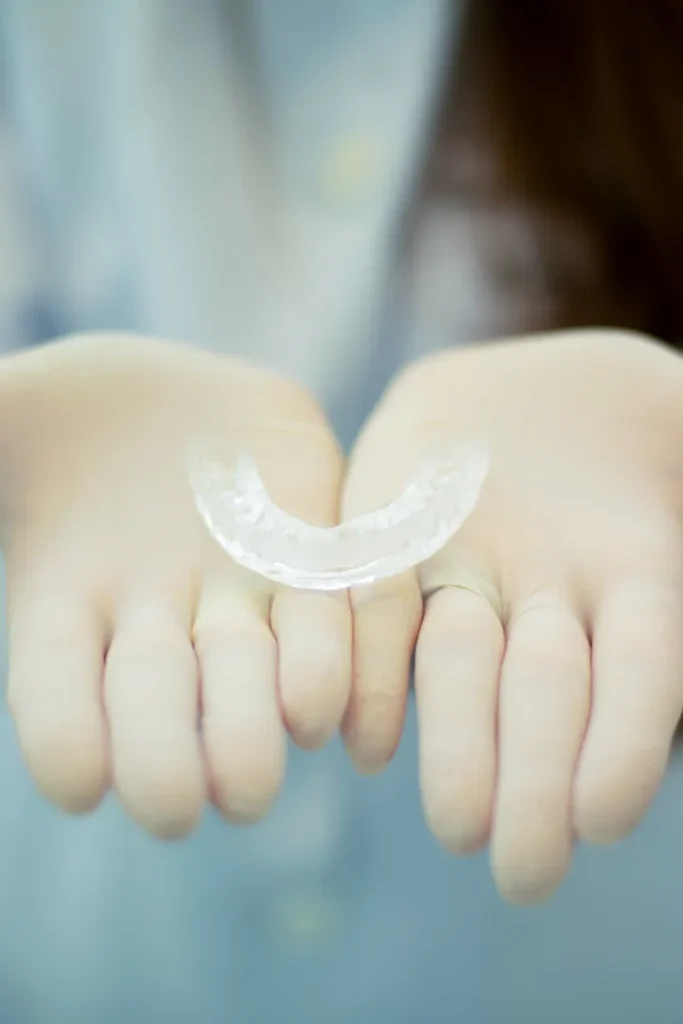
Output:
x=126 y=201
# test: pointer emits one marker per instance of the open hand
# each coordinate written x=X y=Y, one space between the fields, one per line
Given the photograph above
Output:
x=140 y=655
x=549 y=662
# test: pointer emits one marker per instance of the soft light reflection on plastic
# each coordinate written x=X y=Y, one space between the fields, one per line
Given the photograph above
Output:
x=238 y=512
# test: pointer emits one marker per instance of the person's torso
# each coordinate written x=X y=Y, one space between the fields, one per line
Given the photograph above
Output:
x=228 y=174
x=134 y=194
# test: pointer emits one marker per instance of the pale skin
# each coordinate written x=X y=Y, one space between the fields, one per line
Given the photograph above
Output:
x=547 y=635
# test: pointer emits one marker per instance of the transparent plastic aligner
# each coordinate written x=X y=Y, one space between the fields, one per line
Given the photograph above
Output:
x=239 y=514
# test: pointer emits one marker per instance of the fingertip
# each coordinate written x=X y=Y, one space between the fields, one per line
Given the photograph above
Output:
x=67 y=758
x=460 y=834
x=246 y=769
x=386 y=621
x=160 y=779
x=53 y=694
x=614 y=793
x=313 y=633
x=637 y=697
x=457 y=667
x=242 y=729
x=527 y=890
x=151 y=699
x=530 y=858
x=528 y=873
x=371 y=734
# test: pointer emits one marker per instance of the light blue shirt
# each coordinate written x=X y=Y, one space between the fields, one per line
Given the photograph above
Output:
x=134 y=190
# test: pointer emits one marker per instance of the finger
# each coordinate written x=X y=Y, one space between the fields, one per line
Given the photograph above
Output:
x=313 y=633
x=313 y=630
x=458 y=658
x=56 y=657
x=542 y=713
x=637 y=702
x=386 y=621
x=386 y=614
x=243 y=734
x=151 y=692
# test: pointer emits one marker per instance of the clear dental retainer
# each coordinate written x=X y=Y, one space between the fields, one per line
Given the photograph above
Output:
x=240 y=515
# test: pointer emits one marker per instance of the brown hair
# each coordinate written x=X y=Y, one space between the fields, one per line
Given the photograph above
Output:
x=571 y=111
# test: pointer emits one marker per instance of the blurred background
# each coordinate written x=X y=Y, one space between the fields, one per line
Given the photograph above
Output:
x=332 y=188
